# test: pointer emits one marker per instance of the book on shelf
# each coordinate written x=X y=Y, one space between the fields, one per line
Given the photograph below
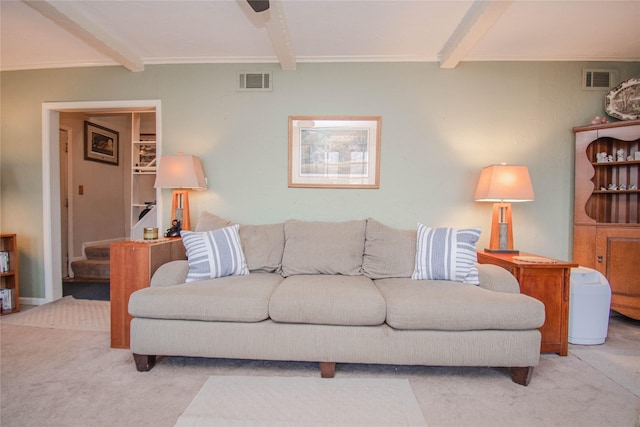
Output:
x=4 y=262
x=8 y=299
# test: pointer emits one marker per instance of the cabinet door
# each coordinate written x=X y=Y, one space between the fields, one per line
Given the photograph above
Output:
x=618 y=255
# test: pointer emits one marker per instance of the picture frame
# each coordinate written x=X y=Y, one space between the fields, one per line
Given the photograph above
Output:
x=101 y=144
x=334 y=151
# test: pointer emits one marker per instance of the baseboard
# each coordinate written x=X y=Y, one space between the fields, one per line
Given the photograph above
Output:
x=32 y=301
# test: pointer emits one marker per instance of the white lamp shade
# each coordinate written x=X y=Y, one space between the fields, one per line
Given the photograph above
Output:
x=181 y=171
x=504 y=183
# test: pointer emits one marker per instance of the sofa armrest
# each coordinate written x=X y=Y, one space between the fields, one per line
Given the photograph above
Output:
x=171 y=273
x=497 y=279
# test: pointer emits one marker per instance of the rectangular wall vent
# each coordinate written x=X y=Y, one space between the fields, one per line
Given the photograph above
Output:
x=260 y=82
x=598 y=79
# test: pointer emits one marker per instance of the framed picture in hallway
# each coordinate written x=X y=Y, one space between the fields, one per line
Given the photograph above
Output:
x=100 y=144
x=334 y=152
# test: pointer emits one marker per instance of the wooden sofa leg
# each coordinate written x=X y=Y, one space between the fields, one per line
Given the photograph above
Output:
x=521 y=375
x=144 y=362
x=327 y=369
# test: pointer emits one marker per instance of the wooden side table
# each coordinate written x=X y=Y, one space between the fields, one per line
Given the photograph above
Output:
x=132 y=265
x=548 y=282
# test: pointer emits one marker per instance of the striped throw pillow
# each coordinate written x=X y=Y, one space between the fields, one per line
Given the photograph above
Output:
x=447 y=254
x=216 y=253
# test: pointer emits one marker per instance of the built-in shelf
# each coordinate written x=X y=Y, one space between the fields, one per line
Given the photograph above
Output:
x=9 y=279
x=143 y=170
x=625 y=163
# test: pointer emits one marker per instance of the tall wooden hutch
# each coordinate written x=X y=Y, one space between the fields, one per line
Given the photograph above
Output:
x=606 y=232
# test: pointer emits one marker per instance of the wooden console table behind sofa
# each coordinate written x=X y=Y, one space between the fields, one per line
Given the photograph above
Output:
x=547 y=282
x=132 y=265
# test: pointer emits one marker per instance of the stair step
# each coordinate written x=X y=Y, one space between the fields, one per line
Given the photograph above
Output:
x=91 y=269
x=97 y=251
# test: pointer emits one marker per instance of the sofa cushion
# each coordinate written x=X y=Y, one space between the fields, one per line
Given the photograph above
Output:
x=328 y=300
x=263 y=246
x=447 y=254
x=212 y=254
x=453 y=306
x=227 y=299
x=208 y=222
x=388 y=252
x=323 y=247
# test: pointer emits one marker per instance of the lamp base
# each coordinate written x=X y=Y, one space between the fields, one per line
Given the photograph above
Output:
x=501 y=241
x=502 y=251
x=180 y=208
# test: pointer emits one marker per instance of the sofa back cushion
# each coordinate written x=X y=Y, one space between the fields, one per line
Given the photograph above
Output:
x=209 y=222
x=262 y=244
x=388 y=252
x=323 y=247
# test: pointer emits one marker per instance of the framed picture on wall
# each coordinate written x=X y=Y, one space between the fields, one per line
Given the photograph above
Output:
x=100 y=144
x=334 y=152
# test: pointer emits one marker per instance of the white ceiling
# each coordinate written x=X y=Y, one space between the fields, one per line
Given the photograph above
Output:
x=50 y=34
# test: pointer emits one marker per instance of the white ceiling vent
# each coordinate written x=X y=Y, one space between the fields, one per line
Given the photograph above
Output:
x=258 y=82
x=598 y=79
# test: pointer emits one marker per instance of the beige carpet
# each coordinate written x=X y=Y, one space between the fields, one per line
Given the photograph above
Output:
x=67 y=313
x=72 y=378
x=232 y=401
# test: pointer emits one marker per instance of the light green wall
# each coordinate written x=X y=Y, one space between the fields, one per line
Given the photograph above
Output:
x=439 y=128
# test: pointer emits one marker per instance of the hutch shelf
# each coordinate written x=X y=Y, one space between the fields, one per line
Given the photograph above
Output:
x=606 y=233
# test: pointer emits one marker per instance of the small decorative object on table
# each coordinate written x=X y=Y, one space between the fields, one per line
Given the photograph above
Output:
x=151 y=233
x=175 y=229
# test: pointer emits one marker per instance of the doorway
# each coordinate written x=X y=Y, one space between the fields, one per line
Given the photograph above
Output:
x=52 y=183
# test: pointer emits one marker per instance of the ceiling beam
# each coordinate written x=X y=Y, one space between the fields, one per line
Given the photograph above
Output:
x=478 y=20
x=278 y=31
x=68 y=16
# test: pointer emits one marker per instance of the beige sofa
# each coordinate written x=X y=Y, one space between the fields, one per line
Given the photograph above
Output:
x=334 y=293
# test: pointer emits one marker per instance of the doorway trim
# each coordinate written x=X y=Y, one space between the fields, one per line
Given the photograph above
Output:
x=67 y=219
x=51 y=178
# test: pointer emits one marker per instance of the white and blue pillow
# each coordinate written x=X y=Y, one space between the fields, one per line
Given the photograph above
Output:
x=212 y=254
x=447 y=254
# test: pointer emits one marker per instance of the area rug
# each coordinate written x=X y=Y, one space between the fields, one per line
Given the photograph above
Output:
x=66 y=313
x=230 y=401
x=621 y=366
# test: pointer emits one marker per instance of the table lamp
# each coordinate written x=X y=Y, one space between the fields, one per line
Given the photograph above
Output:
x=180 y=172
x=503 y=184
